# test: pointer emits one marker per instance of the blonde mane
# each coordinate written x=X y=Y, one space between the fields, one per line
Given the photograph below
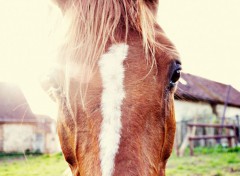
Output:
x=92 y=25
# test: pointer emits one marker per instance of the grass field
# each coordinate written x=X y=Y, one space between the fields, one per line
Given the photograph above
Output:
x=207 y=162
x=42 y=165
x=225 y=164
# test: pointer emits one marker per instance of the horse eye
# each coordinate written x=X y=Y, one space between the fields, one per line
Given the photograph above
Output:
x=175 y=77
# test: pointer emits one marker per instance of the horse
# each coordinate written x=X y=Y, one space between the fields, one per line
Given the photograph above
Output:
x=114 y=86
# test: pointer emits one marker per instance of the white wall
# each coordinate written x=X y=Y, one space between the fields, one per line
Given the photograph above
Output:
x=187 y=110
x=230 y=111
x=17 y=137
x=52 y=143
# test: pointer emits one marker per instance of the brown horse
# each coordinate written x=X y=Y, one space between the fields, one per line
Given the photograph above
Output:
x=115 y=85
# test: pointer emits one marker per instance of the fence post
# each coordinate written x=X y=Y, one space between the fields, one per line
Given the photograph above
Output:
x=191 y=142
x=238 y=127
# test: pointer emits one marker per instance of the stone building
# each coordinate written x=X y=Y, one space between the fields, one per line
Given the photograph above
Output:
x=200 y=97
x=20 y=129
x=200 y=100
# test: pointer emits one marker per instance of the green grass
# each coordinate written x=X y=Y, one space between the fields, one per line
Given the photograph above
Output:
x=32 y=165
x=214 y=162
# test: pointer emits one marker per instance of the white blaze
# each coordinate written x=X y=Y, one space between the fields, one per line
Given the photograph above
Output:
x=112 y=73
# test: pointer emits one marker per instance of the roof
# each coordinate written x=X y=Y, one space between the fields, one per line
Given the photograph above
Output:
x=13 y=105
x=195 y=88
x=14 y=108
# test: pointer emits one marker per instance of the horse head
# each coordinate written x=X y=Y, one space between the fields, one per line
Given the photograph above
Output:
x=118 y=76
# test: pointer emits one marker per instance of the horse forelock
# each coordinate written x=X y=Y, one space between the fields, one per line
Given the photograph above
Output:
x=94 y=24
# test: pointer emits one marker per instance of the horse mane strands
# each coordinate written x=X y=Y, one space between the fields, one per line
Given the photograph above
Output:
x=91 y=25
x=94 y=23
x=147 y=26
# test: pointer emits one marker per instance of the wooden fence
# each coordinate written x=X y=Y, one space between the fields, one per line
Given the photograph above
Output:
x=208 y=132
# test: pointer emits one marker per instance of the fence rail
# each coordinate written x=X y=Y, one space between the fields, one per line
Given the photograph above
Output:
x=210 y=126
x=205 y=137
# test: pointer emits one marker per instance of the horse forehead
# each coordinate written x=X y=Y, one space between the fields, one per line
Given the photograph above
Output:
x=124 y=92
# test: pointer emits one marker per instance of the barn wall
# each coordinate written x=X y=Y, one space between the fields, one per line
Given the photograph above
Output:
x=185 y=110
x=20 y=137
x=39 y=142
x=230 y=111
x=17 y=137
x=47 y=138
x=52 y=143
x=1 y=138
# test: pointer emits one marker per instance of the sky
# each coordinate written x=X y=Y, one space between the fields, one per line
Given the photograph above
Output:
x=205 y=32
x=207 y=36
x=24 y=50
